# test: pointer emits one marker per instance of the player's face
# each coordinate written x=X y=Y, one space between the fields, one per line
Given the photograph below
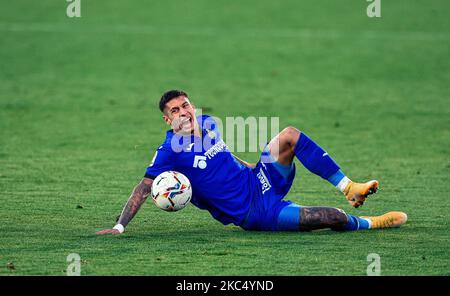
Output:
x=180 y=114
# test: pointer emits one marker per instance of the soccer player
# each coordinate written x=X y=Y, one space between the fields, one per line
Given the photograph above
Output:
x=250 y=196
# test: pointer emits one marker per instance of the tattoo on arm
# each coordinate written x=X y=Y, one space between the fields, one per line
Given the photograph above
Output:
x=137 y=198
x=321 y=217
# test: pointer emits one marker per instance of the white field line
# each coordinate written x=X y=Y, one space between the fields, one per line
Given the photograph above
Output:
x=221 y=32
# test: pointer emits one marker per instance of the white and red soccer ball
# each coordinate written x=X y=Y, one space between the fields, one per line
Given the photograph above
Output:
x=171 y=191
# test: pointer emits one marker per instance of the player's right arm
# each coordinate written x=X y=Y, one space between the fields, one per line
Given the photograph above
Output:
x=137 y=198
x=162 y=161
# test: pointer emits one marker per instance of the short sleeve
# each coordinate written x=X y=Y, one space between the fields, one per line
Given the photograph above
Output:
x=162 y=161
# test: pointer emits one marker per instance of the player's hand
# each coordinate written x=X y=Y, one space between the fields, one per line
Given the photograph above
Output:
x=108 y=231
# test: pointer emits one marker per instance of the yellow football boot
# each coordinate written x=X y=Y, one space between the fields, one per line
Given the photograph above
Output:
x=356 y=193
x=388 y=220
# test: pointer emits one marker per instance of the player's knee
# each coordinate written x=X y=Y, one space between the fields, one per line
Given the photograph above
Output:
x=290 y=134
x=340 y=217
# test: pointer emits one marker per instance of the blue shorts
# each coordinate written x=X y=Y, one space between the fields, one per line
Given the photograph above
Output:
x=272 y=182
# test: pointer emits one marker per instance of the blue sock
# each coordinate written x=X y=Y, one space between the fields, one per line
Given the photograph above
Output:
x=316 y=160
x=336 y=178
x=356 y=223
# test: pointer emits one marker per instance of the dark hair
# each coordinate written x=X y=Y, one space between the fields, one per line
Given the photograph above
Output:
x=168 y=96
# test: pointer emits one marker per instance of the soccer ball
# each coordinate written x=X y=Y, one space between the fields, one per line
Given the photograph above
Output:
x=171 y=191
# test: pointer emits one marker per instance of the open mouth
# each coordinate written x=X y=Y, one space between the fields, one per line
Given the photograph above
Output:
x=186 y=120
x=184 y=123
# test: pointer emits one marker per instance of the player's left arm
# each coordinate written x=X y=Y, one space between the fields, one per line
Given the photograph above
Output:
x=249 y=165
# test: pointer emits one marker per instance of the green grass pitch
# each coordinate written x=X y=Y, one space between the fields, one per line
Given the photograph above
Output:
x=79 y=124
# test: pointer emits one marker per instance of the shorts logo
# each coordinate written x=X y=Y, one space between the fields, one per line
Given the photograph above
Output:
x=199 y=162
x=265 y=185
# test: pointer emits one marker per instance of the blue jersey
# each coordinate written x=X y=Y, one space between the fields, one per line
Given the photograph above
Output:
x=220 y=184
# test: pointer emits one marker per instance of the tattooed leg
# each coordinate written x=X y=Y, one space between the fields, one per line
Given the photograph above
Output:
x=322 y=217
